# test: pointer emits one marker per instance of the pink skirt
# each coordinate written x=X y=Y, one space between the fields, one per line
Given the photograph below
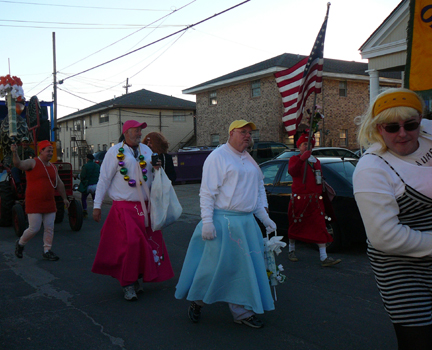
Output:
x=128 y=250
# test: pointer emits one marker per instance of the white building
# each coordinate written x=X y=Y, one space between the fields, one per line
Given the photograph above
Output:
x=98 y=127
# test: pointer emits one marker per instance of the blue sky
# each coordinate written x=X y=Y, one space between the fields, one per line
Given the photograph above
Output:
x=92 y=32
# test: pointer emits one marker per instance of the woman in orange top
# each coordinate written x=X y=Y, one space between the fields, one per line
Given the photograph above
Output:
x=42 y=180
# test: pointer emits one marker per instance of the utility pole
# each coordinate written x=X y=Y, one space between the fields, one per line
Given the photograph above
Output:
x=127 y=85
x=55 y=89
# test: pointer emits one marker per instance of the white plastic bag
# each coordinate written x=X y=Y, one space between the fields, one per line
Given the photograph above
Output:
x=165 y=207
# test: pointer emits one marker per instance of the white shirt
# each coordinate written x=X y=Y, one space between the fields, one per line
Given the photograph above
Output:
x=112 y=181
x=376 y=188
x=230 y=181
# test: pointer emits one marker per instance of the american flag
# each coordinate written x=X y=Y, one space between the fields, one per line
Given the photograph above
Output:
x=298 y=82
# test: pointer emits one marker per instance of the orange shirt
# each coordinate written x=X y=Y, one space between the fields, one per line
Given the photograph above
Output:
x=39 y=191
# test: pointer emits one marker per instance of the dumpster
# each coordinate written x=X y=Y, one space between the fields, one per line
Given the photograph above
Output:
x=188 y=164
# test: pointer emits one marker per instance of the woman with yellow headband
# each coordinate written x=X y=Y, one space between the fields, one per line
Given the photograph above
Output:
x=393 y=190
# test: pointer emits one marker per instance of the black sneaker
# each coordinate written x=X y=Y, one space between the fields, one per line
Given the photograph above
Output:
x=194 y=312
x=50 y=255
x=251 y=321
x=19 y=249
x=85 y=214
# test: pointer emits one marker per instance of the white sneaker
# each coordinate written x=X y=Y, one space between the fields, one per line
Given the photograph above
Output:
x=129 y=293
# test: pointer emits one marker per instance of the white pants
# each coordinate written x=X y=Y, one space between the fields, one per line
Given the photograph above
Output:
x=35 y=222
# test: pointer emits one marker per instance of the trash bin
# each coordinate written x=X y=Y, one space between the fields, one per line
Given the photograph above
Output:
x=188 y=164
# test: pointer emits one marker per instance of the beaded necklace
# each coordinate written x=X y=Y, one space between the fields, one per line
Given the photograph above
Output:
x=49 y=178
x=124 y=170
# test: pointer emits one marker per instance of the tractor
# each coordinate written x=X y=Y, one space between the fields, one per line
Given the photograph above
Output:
x=12 y=195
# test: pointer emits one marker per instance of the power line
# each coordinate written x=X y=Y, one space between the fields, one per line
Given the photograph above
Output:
x=169 y=14
x=82 y=98
x=88 y=24
x=81 y=28
x=154 y=42
x=86 y=7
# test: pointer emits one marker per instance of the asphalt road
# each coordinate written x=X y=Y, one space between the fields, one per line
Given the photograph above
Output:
x=62 y=305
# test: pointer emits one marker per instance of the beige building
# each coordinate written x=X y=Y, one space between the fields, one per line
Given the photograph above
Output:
x=251 y=93
x=386 y=49
x=99 y=127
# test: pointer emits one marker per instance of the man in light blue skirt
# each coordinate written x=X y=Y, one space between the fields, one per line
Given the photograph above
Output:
x=225 y=257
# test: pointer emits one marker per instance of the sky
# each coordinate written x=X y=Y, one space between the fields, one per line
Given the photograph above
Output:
x=90 y=33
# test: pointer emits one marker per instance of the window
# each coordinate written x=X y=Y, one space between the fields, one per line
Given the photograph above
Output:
x=213 y=98
x=112 y=144
x=256 y=88
x=104 y=147
x=67 y=128
x=317 y=139
x=270 y=171
x=343 y=137
x=103 y=118
x=99 y=147
x=77 y=125
x=179 y=117
x=343 y=88
x=67 y=152
x=90 y=121
x=214 y=139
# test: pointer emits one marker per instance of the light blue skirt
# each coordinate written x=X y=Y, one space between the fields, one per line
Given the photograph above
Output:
x=229 y=268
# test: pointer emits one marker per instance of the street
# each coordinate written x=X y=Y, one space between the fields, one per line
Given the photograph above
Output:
x=63 y=305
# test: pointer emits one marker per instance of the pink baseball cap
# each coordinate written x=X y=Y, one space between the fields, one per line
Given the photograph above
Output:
x=133 y=124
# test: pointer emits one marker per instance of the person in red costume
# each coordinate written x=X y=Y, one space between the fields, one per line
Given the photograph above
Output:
x=40 y=206
x=306 y=213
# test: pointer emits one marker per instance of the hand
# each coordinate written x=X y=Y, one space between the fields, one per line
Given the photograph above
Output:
x=157 y=165
x=66 y=202
x=97 y=215
x=269 y=225
x=14 y=147
x=305 y=155
x=208 y=231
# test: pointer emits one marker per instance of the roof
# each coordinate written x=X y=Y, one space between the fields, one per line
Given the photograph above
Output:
x=144 y=99
x=383 y=23
x=287 y=60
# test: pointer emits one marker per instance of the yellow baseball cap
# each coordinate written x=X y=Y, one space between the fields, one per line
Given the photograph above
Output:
x=241 y=123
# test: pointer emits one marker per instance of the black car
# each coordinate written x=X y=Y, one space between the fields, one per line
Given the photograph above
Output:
x=266 y=150
x=348 y=226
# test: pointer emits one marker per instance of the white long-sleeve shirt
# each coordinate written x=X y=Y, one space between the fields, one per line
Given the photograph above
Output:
x=230 y=181
x=112 y=181
x=376 y=188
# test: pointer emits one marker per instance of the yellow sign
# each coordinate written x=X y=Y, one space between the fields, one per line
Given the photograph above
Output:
x=419 y=61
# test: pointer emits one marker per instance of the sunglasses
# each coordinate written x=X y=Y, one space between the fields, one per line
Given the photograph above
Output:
x=394 y=127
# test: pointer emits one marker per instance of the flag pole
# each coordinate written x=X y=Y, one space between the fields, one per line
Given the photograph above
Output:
x=313 y=113
x=310 y=134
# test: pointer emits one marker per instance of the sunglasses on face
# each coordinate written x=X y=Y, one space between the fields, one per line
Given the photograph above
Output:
x=394 y=127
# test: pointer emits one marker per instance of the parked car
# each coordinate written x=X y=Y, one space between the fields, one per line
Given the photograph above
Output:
x=348 y=226
x=321 y=151
x=266 y=150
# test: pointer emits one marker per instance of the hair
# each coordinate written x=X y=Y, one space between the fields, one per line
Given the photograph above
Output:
x=368 y=132
x=158 y=141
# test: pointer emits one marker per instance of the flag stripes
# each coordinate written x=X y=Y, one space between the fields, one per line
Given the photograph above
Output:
x=298 y=82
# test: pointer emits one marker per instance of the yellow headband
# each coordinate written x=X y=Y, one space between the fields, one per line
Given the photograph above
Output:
x=397 y=99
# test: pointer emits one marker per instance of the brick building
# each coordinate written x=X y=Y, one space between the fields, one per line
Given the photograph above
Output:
x=251 y=93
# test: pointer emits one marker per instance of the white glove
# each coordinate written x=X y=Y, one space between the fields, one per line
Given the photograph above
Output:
x=269 y=225
x=208 y=231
